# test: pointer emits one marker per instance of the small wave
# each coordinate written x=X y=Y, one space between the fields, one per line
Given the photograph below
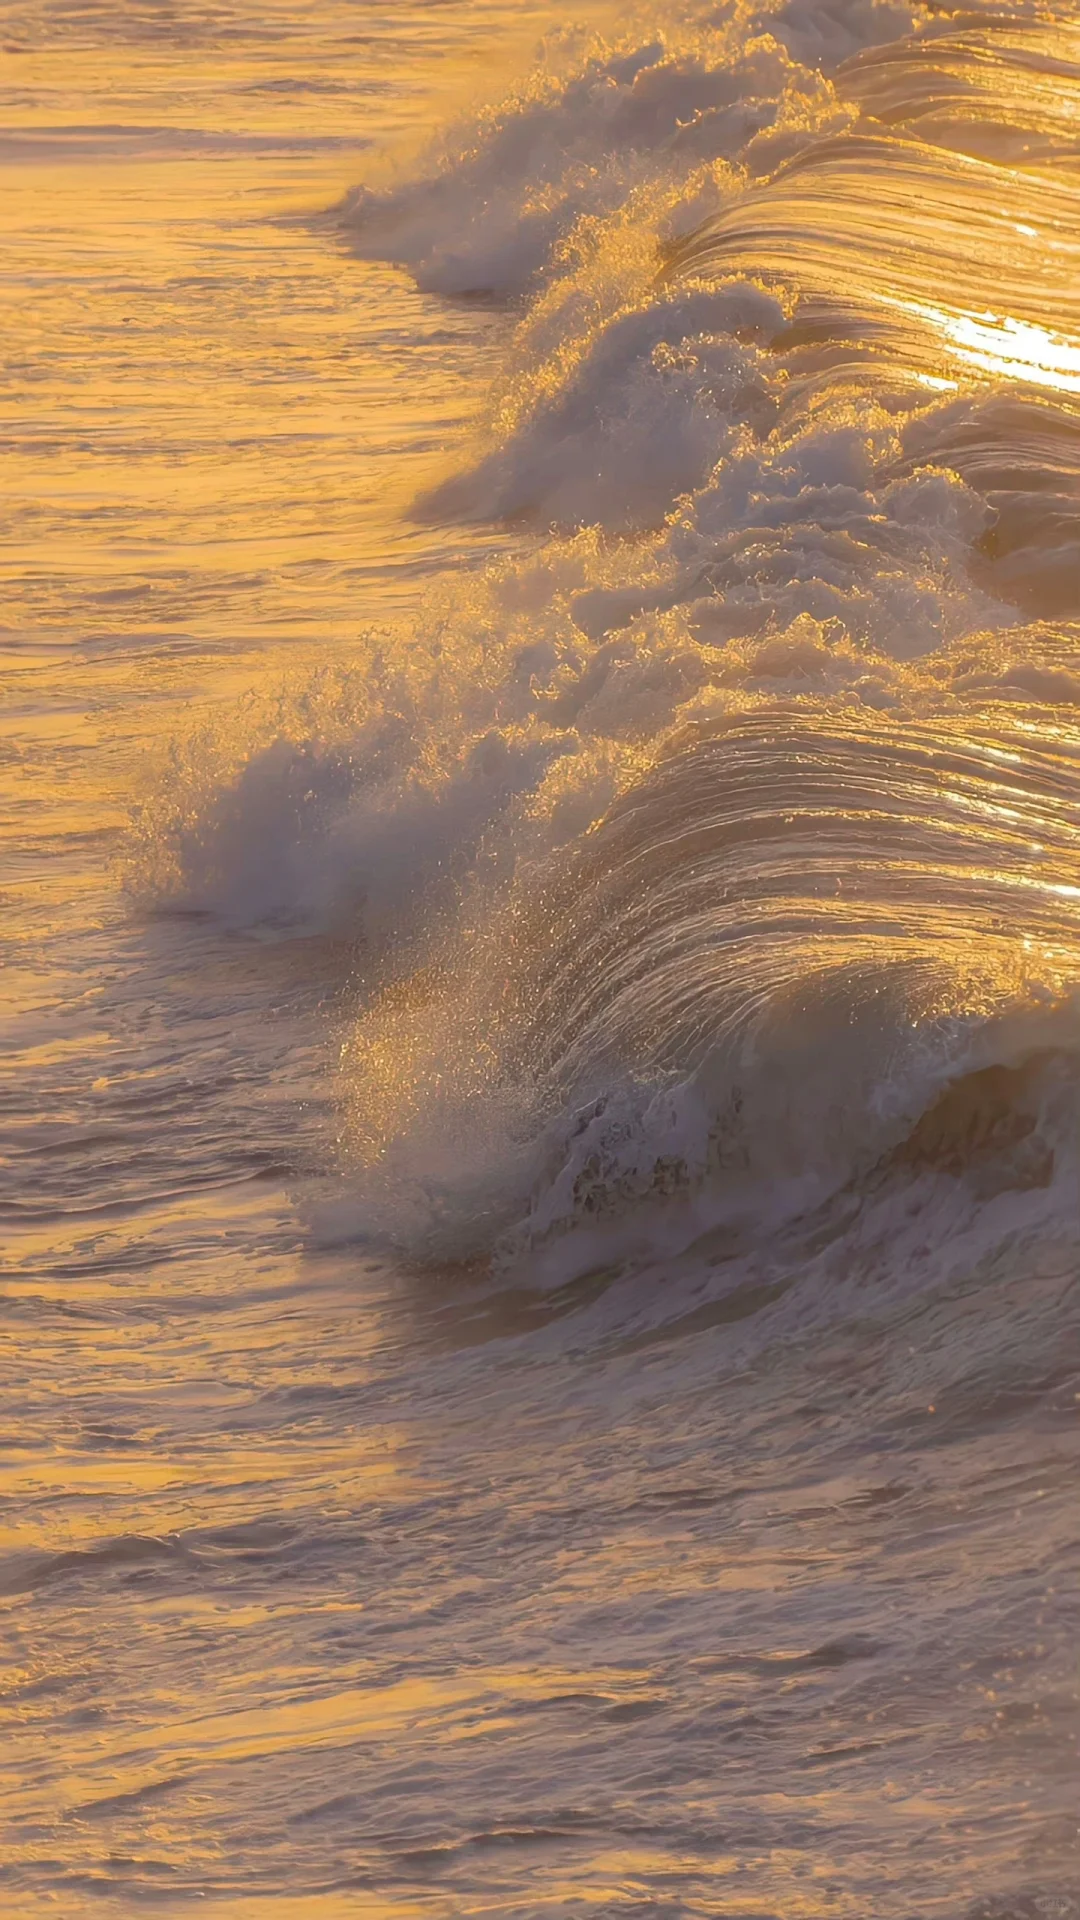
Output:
x=28 y=1572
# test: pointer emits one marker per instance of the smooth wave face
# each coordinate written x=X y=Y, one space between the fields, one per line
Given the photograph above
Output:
x=689 y=880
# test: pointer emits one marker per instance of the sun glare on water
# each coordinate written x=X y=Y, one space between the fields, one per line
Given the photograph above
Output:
x=1006 y=348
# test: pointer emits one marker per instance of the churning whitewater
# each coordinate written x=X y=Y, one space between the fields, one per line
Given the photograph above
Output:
x=719 y=849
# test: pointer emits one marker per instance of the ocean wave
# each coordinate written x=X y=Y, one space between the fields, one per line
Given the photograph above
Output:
x=718 y=854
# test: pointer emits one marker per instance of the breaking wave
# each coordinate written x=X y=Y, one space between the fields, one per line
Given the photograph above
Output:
x=719 y=855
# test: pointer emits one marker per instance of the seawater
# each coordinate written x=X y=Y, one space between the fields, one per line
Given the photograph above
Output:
x=541 y=860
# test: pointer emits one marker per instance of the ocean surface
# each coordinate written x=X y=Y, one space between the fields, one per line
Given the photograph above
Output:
x=540 y=863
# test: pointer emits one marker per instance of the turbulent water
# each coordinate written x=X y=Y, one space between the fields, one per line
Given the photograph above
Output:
x=541 y=848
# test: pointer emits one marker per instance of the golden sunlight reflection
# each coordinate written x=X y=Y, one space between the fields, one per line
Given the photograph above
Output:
x=1007 y=349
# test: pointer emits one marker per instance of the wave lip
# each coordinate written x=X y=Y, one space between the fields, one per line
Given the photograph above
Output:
x=1008 y=92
